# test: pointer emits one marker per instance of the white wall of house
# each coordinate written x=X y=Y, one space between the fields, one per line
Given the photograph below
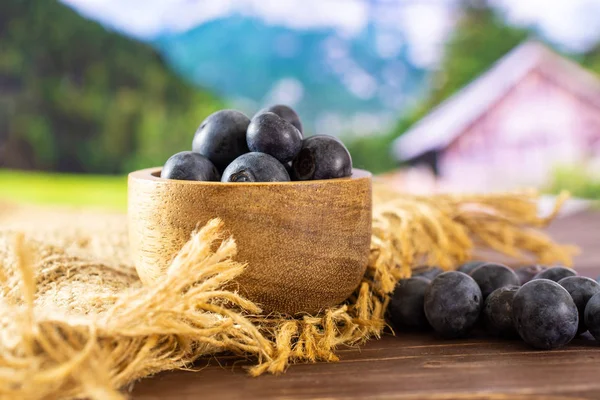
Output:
x=536 y=127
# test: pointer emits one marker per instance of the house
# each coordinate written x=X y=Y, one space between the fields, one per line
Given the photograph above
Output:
x=511 y=127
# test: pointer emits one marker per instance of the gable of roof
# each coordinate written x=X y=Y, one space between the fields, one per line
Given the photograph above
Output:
x=450 y=119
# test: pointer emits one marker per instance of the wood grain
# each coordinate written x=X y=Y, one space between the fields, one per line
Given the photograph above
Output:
x=417 y=366
x=306 y=243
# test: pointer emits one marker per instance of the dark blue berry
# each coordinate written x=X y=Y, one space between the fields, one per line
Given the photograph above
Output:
x=286 y=113
x=452 y=304
x=221 y=137
x=527 y=273
x=581 y=290
x=497 y=312
x=491 y=276
x=270 y=134
x=427 y=272
x=255 y=167
x=592 y=316
x=555 y=273
x=468 y=267
x=190 y=166
x=544 y=314
x=322 y=157
x=406 y=304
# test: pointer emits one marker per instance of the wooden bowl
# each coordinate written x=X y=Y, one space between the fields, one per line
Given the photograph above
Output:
x=306 y=243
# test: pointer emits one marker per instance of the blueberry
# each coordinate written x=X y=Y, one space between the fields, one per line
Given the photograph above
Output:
x=555 y=273
x=497 y=312
x=286 y=113
x=255 y=167
x=427 y=272
x=190 y=166
x=592 y=316
x=468 y=267
x=270 y=134
x=544 y=314
x=491 y=276
x=452 y=303
x=322 y=157
x=221 y=137
x=406 y=304
x=581 y=290
x=526 y=274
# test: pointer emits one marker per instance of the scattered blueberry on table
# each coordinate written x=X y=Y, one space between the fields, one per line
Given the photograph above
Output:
x=468 y=267
x=544 y=314
x=270 y=147
x=427 y=272
x=555 y=273
x=581 y=289
x=492 y=276
x=527 y=273
x=497 y=312
x=452 y=304
x=592 y=316
x=527 y=303
x=406 y=305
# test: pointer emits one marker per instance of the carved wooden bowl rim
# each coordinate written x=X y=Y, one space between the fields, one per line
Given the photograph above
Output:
x=153 y=174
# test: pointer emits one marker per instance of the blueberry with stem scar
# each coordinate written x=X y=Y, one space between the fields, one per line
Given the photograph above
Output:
x=255 y=167
x=190 y=166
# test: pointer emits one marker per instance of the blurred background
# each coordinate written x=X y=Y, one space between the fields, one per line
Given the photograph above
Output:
x=431 y=95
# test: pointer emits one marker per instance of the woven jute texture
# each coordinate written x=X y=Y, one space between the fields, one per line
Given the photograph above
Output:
x=76 y=322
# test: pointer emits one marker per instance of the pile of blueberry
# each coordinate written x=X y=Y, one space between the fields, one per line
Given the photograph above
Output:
x=270 y=147
x=546 y=307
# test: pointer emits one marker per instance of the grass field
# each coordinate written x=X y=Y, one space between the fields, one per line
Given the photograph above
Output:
x=104 y=192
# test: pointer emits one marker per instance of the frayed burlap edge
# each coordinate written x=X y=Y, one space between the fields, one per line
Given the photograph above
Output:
x=166 y=326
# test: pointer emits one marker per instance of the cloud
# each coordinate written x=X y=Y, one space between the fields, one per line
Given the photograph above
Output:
x=424 y=25
x=148 y=18
x=574 y=24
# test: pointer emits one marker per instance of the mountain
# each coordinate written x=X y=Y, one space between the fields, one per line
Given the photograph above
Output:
x=76 y=97
x=321 y=72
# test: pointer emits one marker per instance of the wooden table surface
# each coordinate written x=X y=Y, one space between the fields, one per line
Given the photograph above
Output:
x=417 y=366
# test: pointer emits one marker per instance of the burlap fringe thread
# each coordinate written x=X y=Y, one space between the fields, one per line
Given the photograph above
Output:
x=99 y=347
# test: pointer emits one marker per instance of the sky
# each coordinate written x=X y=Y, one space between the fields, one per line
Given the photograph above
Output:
x=572 y=24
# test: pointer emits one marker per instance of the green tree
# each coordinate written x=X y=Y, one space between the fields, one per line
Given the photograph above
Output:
x=76 y=97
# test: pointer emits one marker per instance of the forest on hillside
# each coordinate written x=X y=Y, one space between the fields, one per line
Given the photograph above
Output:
x=76 y=97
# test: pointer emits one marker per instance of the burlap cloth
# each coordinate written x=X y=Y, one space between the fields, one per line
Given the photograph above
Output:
x=77 y=322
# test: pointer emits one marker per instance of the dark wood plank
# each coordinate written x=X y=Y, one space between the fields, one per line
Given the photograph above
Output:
x=417 y=366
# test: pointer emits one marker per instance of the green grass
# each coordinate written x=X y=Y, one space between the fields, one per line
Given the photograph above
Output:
x=95 y=191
